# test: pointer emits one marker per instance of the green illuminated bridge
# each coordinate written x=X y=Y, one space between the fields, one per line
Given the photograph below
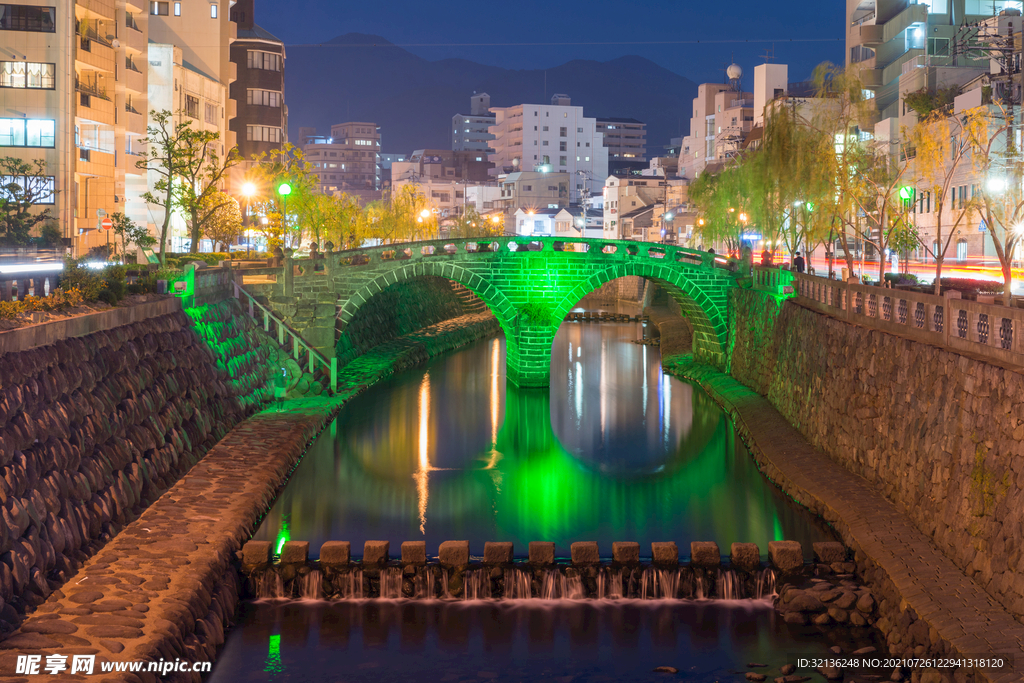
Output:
x=530 y=284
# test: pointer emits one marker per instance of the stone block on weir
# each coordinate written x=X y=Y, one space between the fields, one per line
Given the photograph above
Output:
x=335 y=553
x=786 y=556
x=705 y=554
x=626 y=552
x=665 y=553
x=745 y=556
x=256 y=554
x=497 y=552
x=542 y=552
x=376 y=552
x=414 y=552
x=585 y=552
x=295 y=552
x=829 y=552
x=454 y=553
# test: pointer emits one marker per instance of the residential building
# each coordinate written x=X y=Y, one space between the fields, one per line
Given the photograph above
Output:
x=622 y=196
x=557 y=138
x=722 y=116
x=626 y=141
x=471 y=132
x=260 y=122
x=347 y=161
x=73 y=96
x=561 y=222
x=463 y=165
x=532 y=190
x=638 y=224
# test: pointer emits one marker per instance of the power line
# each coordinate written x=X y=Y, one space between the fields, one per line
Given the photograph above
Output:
x=625 y=42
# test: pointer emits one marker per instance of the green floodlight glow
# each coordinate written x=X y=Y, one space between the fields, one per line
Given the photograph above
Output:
x=906 y=192
x=810 y=207
x=284 y=189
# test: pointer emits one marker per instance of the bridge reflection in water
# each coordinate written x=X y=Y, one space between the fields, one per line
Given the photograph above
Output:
x=614 y=450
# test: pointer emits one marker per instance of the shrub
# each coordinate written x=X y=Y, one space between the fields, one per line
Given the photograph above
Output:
x=901 y=278
x=9 y=310
x=113 y=282
x=78 y=276
x=962 y=284
x=58 y=300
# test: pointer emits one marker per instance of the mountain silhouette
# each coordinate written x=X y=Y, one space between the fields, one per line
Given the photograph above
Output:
x=360 y=77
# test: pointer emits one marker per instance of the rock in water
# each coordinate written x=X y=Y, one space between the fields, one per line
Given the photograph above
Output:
x=754 y=665
x=667 y=670
x=756 y=678
x=787 y=669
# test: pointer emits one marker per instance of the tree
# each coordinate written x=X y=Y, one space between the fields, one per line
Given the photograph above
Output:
x=129 y=232
x=941 y=143
x=472 y=224
x=164 y=154
x=268 y=173
x=23 y=184
x=998 y=160
x=224 y=222
x=202 y=171
x=723 y=200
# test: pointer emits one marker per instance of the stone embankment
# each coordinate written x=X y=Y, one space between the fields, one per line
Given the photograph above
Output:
x=926 y=605
x=94 y=428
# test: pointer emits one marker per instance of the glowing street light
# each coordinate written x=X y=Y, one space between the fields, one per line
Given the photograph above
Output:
x=996 y=185
x=425 y=213
x=248 y=190
x=284 y=189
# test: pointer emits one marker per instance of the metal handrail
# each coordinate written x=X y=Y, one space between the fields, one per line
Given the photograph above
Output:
x=314 y=357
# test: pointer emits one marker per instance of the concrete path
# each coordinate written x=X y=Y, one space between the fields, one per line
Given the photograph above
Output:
x=959 y=610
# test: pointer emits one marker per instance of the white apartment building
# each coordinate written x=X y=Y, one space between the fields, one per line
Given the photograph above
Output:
x=557 y=138
x=623 y=196
x=722 y=116
x=471 y=132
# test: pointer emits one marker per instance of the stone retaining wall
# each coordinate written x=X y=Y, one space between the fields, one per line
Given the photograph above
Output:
x=938 y=433
x=94 y=428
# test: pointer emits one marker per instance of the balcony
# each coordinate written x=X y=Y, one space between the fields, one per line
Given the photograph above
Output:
x=867 y=34
x=93 y=162
x=134 y=80
x=94 y=55
x=893 y=71
x=135 y=121
x=914 y=14
x=94 y=106
x=134 y=40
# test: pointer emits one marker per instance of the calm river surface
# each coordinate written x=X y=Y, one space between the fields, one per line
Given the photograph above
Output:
x=616 y=451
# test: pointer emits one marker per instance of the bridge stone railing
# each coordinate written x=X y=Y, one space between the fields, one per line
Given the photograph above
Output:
x=988 y=330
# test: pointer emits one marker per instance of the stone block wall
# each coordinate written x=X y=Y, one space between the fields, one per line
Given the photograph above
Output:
x=94 y=428
x=629 y=288
x=938 y=433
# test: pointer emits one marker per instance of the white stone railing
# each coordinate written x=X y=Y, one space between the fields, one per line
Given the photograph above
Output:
x=988 y=330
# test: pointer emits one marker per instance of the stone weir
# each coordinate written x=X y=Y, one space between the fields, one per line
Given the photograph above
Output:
x=822 y=591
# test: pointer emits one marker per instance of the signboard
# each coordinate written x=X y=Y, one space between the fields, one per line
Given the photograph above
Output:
x=432 y=160
x=982 y=227
x=106 y=224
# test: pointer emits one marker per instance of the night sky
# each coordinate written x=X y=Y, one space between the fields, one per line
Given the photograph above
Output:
x=433 y=31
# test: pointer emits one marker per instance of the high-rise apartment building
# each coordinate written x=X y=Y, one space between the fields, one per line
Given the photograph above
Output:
x=260 y=123
x=556 y=137
x=73 y=90
x=626 y=140
x=347 y=161
x=472 y=132
x=722 y=116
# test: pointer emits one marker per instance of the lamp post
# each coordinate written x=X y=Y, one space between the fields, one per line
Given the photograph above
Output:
x=284 y=189
x=248 y=190
x=667 y=216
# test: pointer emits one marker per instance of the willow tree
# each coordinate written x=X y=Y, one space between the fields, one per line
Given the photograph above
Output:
x=723 y=200
x=941 y=143
x=997 y=158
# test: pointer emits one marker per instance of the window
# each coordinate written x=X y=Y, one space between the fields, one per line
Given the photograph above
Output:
x=527 y=188
x=41 y=188
x=177 y=9
x=545 y=128
x=211 y=113
x=27 y=132
x=268 y=61
x=27 y=18
x=34 y=75
x=263 y=98
x=579 y=130
x=961 y=250
x=561 y=146
x=161 y=9
x=562 y=161
x=545 y=143
x=191 y=106
x=213 y=11
x=562 y=131
x=263 y=133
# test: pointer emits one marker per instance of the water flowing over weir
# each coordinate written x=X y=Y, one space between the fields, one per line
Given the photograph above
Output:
x=522 y=582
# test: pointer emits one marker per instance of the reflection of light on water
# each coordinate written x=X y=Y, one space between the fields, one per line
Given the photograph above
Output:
x=273 y=664
x=644 y=366
x=421 y=476
x=667 y=426
x=578 y=391
x=604 y=386
x=492 y=463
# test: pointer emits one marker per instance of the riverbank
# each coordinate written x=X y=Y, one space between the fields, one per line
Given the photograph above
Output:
x=896 y=560
x=167 y=586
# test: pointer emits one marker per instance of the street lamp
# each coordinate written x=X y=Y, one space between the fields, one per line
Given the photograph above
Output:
x=248 y=190
x=284 y=189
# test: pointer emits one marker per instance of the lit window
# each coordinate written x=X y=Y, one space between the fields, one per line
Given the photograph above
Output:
x=159 y=8
x=213 y=11
x=27 y=133
x=177 y=9
x=26 y=75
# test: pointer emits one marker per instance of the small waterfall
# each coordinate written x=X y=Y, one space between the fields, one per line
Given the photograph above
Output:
x=765 y=584
x=558 y=586
x=517 y=585
x=271 y=586
x=350 y=586
x=391 y=582
x=477 y=584
x=659 y=583
x=312 y=585
x=423 y=584
x=728 y=586
x=609 y=584
x=445 y=595
x=573 y=588
x=698 y=586
x=550 y=589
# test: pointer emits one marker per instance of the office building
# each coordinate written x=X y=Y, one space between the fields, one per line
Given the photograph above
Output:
x=471 y=132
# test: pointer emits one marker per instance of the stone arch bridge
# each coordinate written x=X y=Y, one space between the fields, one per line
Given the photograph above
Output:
x=530 y=284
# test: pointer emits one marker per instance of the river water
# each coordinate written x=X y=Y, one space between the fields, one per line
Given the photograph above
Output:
x=615 y=451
